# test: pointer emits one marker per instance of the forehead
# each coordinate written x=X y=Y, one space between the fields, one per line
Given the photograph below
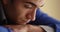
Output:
x=36 y=2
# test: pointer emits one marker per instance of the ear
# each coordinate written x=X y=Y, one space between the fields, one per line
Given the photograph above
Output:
x=5 y=2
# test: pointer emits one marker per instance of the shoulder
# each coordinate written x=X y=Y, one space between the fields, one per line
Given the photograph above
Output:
x=3 y=29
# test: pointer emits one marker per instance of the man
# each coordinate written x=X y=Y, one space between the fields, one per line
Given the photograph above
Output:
x=21 y=12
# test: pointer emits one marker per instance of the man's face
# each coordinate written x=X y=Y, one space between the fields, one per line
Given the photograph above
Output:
x=22 y=11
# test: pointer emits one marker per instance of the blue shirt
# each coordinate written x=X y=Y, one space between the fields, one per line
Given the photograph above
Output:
x=44 y=19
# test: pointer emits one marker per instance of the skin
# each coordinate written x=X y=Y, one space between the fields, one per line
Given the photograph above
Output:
x=21 y=11
x=25 y=28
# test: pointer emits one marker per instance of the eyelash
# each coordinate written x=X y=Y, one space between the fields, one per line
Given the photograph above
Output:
x=27 y=6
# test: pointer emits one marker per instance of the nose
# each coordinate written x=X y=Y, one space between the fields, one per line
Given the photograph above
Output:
x=33 y=15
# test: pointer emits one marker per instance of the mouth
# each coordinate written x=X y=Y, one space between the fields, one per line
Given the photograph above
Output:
x=23 y=22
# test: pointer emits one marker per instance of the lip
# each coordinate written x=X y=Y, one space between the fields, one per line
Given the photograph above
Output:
x=28 y=21
x=23 y=21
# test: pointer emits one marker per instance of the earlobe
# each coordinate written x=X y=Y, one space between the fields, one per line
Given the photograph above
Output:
x=5 y=2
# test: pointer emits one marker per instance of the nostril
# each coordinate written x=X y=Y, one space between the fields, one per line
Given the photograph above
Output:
x=28 y=16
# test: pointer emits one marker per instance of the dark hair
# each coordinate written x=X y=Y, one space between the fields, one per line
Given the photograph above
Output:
x=2 y=13
x=3 y=19
x=11 y=1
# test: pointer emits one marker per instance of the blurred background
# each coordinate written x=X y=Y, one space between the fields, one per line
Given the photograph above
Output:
x=52 y=8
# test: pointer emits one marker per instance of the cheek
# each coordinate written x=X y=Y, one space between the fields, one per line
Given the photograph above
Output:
x=21 y=11
x=22 y=14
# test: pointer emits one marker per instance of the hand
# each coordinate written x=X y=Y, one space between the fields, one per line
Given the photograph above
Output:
x=17 y=28
x=32 y=28
x=25 y=28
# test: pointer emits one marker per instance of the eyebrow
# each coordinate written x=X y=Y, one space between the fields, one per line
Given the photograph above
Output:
x=31 y=3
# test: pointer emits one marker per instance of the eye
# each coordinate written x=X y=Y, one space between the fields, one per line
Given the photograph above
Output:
x=29 y=6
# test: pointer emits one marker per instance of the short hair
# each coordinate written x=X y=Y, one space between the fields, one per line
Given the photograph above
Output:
x=11 y=1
